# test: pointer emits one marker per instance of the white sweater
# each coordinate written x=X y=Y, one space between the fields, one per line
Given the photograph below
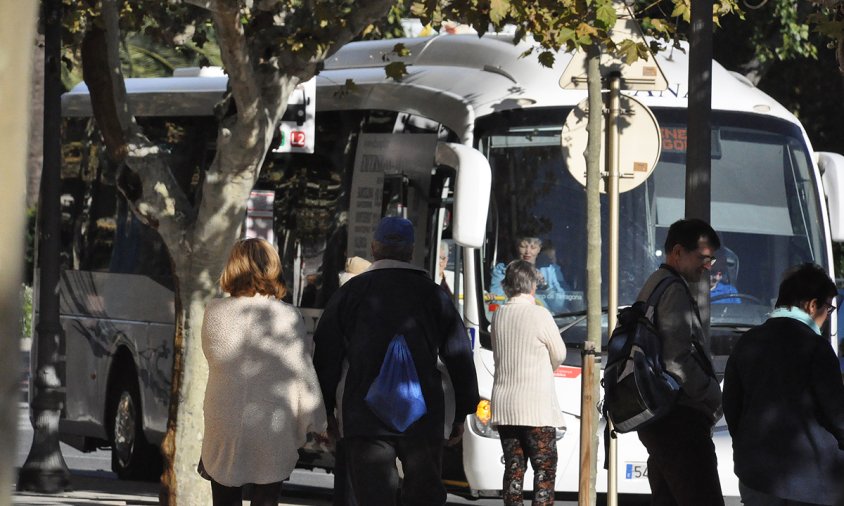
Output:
x=262 y=395
x=527 y=347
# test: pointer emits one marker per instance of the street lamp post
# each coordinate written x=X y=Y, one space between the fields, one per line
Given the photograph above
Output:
x=45 y=469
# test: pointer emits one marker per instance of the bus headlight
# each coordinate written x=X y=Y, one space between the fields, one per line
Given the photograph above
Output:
x=480 y=420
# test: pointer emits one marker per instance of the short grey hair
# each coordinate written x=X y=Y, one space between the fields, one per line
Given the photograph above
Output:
x=520 y=277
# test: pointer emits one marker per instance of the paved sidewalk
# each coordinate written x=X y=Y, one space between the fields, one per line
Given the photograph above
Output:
x=94 y=487
x=100 y=487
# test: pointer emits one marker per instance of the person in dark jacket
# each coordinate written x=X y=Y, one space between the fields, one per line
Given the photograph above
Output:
x=393 y=298
x=784 y=400
x=682 y=465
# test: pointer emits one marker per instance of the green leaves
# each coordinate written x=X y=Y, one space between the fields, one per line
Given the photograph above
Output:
x=629 y=51
x=605 y=15
x=498 y=11
x=396 y=70
x=546 y=58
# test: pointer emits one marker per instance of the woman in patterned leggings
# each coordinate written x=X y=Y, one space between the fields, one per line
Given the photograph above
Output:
x=527 y=348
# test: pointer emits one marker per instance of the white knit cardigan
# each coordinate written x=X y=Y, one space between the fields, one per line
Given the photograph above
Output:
x=263 y=396
x=527 y=348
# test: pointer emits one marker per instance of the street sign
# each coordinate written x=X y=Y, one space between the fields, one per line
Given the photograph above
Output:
x=639 y=75
x=638 y=143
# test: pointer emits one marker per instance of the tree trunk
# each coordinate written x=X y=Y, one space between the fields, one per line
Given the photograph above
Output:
x=593 y=240
x=200 y=237
x=221 y=213
x=17 y=31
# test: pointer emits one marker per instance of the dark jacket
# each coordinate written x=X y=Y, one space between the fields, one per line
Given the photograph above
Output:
x=784 y=405
x=685 y=347
x=358 y=324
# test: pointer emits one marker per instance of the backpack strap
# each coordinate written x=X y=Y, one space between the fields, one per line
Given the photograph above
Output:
x=656 y=294
x=650 y=312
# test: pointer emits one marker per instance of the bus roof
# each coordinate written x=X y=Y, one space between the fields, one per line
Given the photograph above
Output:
x=452 y=79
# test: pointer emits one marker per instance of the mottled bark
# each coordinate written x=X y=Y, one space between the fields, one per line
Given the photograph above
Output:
x=593 y=249
x=199 y=237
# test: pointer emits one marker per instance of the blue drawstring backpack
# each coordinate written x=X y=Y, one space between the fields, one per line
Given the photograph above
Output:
x=395 y=395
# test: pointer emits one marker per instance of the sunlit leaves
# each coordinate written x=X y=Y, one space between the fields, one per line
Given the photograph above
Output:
x=683 y=10
x=630 y=51
x=498 y=11
x=605 y=15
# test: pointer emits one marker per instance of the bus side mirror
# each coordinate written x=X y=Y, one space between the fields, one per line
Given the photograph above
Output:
x=471 y=191
x=832 y=175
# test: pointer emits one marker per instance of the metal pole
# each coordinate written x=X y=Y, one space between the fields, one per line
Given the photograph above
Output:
x=612 y=291
x=699 y=152
x=45 y=469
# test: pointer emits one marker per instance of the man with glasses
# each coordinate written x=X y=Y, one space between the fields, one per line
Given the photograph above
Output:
x=784 y=399
x=682 y=467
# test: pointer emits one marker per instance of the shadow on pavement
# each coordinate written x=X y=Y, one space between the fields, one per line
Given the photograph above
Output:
x=95 y=487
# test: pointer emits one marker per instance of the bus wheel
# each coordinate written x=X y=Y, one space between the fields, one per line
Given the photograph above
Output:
x=132 y=457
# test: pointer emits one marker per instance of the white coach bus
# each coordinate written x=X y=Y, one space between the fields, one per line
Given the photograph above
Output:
x=385 y=147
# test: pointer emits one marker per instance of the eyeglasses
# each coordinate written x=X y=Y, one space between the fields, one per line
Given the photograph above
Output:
x=707 y=259
x=829 y=308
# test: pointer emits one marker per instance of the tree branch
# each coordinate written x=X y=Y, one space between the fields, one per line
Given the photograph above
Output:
x=363 y=14
x=161 y=203
x=234 y=51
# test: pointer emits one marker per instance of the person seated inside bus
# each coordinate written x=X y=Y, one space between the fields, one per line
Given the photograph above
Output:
x=720 y=289
x=551 y=288
x=721 y=275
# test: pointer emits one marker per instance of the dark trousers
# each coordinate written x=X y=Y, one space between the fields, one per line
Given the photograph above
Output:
x=682 y=467
x=371 y=464
x=262 y=495
x=537 y=444
x=750 y=497
x=343 y=495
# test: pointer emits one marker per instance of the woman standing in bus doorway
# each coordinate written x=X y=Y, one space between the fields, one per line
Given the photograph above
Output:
x=527 y=348
x=262 y=396
x=784 y=400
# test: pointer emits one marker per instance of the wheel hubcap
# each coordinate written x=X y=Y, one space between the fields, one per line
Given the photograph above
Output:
x=124 y=429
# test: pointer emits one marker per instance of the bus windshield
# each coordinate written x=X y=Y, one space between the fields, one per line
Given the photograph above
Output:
x=765 y=207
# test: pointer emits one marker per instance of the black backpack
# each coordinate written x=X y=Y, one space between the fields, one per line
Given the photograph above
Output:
x=637 y=388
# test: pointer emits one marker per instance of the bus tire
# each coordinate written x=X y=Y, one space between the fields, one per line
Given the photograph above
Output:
x=132 y=456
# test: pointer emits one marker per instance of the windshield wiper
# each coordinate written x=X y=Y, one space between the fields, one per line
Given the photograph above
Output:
x=579 y=317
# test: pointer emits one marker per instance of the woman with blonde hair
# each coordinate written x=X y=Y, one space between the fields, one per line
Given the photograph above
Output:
x=262 y=396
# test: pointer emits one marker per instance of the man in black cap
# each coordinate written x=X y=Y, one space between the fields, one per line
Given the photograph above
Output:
x=393 y=298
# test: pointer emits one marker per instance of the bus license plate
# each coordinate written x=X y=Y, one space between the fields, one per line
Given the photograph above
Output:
x=636 y=471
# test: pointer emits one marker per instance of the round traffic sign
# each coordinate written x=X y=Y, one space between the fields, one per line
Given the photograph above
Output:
x=639 y=143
